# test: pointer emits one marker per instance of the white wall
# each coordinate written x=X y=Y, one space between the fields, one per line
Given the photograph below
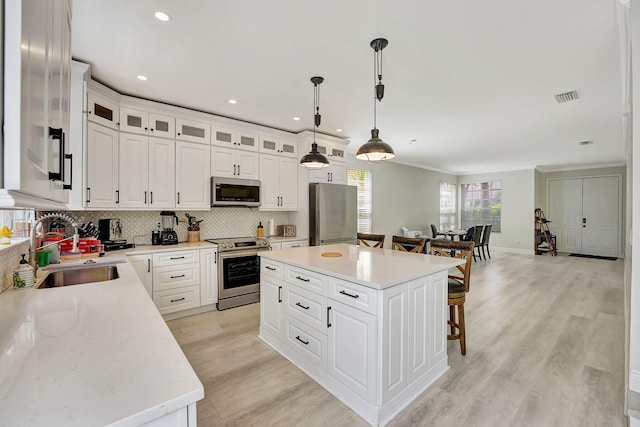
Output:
x=403 y=196
x=518 y=197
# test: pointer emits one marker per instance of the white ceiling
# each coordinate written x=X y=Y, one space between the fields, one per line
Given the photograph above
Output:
x=472 y=82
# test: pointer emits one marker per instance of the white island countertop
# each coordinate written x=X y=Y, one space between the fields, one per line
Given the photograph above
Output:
x=373 y=267
x=90 y=355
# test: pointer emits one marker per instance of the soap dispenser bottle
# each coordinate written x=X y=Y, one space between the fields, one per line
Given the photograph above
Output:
x=23 y=274
x=260 y=231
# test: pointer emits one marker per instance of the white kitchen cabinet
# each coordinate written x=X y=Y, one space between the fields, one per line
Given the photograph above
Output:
x=351 y=352
x=134 y=121
x=336 y=173
x=146 y=123
x=278 y=146
x=103 y=109
x=146 y=172
x=162 y=177
x=237 y=138
x=142 y=265
x=231 y=162
x=37 y=64
x=176 y=280
x=295 y=244
x=193 y=175
x=208 y=276
x=102 y=167
x=193 y=131
x=133 y=170
x=271 y=305
x=279 y=177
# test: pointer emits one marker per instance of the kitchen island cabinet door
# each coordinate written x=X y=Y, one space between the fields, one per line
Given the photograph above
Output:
x=102 y=167
x=271 y=307
x=352 y=349
x=162 y=177
x=193 y=175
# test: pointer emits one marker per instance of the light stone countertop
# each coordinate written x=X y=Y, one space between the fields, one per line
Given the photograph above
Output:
x=90 y=355
x=373 y=267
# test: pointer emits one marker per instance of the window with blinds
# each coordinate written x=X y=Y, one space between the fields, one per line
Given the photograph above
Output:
x=481 y=204
x=447 y=206
x=362 y=179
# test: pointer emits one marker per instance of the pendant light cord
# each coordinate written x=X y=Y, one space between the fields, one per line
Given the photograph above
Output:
x=375 y=72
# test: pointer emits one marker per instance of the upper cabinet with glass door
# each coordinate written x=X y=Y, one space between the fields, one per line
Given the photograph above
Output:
x=193 y=131
x=102 y=108
x=227 y=137
x=147 y=123
x=279 y=146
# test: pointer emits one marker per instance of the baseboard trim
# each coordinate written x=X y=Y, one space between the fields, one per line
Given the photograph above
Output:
x=513 y=250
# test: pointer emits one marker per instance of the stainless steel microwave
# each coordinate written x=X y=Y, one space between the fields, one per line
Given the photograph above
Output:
x=234 y=192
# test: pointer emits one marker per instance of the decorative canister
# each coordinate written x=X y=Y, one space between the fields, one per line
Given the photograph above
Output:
x=23 y=274
x=193 y=236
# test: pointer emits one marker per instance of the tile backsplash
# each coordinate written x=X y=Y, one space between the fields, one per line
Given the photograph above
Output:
x=218 y=222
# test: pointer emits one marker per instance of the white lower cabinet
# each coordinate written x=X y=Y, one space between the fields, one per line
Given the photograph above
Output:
x=179 y=280
x=208 y=276
x=142 y=265
x=371 y=348
x=352 y=349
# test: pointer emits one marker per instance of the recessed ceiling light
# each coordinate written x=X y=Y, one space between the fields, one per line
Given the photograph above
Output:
x=296 y=118
x=143 y=78
x=161 y=16
x=338 y=130
x=585 y=142
x=412 y=141
x=233 y=101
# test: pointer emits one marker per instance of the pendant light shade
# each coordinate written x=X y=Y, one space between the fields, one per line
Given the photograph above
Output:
x=376 y=149
x=314 y=159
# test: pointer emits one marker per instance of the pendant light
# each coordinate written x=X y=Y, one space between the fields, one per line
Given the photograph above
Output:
x=314 y=159
x=376 y=149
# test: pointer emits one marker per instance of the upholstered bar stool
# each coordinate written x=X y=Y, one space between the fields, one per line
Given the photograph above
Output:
x=458 y=286
x=371 y=240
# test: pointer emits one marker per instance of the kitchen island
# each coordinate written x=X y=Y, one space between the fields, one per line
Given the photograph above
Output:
x=367 y=324
x=91 y=355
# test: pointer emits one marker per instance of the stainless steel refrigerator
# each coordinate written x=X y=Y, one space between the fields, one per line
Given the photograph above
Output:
x=333 y=214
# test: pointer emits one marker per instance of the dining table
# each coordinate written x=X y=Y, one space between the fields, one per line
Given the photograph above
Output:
x=452 y=234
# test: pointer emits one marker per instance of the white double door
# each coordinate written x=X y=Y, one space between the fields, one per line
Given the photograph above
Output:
x=585 y=215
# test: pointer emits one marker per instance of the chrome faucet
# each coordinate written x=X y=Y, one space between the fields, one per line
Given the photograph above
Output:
x=32 y=237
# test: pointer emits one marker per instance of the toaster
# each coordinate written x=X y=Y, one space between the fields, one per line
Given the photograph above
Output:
x=286 y=230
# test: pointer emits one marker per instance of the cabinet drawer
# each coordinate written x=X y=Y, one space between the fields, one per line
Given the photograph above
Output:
x=296 y=244
x=175 y=258
x=171 y=276
x=177 y=299
x=306 y=279
x=305 y=341
x=353 y=294
x=272 y=268
x=306 y=306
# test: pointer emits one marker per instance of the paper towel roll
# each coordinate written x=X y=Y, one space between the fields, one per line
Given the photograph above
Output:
x=272 y=228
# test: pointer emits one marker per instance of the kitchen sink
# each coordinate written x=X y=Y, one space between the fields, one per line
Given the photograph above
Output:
x=77 y=276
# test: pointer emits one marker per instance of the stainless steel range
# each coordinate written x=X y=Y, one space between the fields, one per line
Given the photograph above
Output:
x=239 y=270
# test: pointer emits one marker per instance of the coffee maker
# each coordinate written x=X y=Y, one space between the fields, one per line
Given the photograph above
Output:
x=168 y=236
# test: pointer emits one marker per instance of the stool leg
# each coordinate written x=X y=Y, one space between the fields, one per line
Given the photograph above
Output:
x=463 y=339
x=452 y=319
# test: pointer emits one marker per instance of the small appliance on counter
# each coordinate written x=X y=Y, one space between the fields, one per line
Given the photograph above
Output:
x=168 y=235
x=286 y=230
x=110 y=234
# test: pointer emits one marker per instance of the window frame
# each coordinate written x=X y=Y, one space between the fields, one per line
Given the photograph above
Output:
x=364 y=198
x=452 y=194
x=486 y=198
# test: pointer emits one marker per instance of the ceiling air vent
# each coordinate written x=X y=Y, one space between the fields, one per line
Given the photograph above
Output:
x=566 y=97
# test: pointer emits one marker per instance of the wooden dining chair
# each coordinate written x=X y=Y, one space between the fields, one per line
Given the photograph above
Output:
x=458 y=286
x=371 y=240
x=408 y=244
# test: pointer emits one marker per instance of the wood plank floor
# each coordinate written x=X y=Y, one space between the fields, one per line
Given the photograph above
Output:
x=545 y=340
